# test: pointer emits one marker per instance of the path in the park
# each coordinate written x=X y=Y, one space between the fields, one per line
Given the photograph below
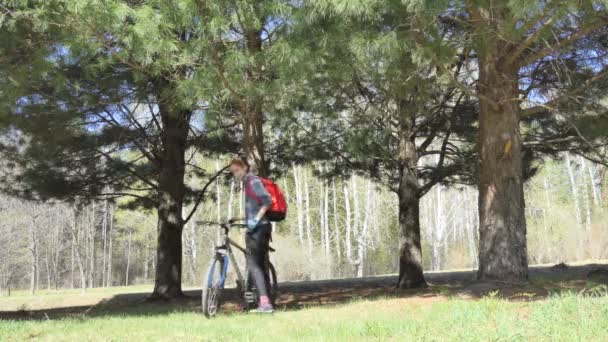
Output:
x=294 y=295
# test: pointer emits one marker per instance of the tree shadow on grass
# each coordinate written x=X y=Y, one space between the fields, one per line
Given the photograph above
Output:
x=298 y=295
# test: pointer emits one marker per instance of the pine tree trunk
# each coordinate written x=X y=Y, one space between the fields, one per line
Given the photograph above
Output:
x=252 y=113
x=171 y=187
x=410 y=248
x=502 y=232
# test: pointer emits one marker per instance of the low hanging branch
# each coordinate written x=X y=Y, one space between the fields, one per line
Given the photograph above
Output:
x=202 y=193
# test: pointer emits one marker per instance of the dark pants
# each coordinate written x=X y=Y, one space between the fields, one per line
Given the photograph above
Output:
x=257 y=243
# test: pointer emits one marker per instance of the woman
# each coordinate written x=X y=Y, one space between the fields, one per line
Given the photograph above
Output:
x=257 y=202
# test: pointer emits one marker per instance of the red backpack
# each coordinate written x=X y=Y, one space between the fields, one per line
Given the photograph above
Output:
x=278 y=209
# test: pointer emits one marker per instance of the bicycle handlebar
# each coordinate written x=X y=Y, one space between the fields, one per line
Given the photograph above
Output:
x=225 y=224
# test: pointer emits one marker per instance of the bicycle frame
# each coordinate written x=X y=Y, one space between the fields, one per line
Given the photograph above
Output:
x=224 y=255
x=225 y=251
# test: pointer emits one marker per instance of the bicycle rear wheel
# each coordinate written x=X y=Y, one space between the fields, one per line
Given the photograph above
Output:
x=274 y=285
x=213 y=285
x=273 y=288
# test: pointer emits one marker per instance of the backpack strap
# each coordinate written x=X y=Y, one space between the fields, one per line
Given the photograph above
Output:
x=249 y=190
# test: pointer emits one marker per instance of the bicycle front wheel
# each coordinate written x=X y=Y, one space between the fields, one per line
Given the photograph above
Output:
x=213 y=285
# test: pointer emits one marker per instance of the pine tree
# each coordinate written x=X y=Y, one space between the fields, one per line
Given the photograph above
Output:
x=107 y=100
x=377 y=108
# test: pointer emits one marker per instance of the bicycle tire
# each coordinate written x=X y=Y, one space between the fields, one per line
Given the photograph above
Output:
x=274 y=285
x=213 y=286
x=273 y=291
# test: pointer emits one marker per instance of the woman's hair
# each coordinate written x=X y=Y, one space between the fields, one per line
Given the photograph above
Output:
x=242 y=162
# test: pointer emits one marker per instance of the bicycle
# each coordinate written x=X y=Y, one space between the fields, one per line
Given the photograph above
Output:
x=218 y=272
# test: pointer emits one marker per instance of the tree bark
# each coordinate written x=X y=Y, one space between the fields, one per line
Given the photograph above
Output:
x=502 y=232
x=171 y=187
x=410 y=249
x=252 y=112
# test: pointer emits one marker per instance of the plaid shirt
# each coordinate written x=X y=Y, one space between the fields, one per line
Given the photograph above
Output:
x=256 y=196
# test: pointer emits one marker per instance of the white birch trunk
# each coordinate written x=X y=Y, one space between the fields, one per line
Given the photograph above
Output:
x=472 y=243
x=300 y=214
x=230 y=200
x=110 y=240
x=347 y=242
x=326 y=225
x=577 y=207
x=356 y=222
x=307 y=211
x=337 y=236
x=129 y=244
x=104 y=241
x=362 y=239
x=595 y=187
x=438 y=236
x=574 y=189
x=34 y=257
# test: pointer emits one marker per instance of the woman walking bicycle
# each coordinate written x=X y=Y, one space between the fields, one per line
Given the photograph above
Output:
x=259 y=229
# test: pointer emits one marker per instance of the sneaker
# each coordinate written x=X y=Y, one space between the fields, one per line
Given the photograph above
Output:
x=263 y=309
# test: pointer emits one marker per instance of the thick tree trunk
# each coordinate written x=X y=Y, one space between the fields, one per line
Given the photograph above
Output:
x=410 y=249
x=252 y=112
x=168 y=282
x=502 y=232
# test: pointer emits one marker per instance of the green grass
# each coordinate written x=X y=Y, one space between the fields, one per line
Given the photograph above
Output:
x=565 y=317
x=44 y=299
x=62 y=292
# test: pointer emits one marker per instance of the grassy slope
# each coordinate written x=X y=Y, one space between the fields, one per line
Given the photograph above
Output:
x=566 y=317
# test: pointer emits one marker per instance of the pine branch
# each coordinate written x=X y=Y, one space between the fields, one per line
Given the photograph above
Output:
x=554 y=104
x=202 y=193
x=590 y=27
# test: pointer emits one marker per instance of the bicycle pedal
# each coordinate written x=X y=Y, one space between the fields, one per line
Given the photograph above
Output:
x=249 y=297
